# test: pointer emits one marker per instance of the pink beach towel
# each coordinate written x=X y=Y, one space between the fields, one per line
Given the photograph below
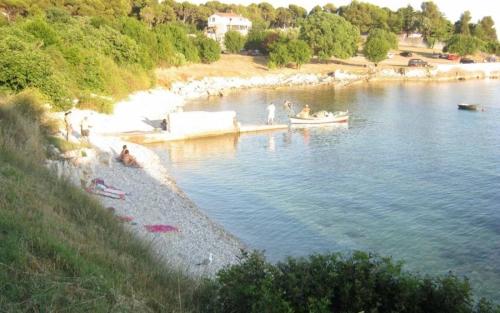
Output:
x=159 y=228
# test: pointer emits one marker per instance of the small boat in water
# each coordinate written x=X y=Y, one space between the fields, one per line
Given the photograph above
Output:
x=321 y=117
x=469 y=107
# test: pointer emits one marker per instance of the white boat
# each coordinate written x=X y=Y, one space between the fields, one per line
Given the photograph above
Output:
x=318 y=119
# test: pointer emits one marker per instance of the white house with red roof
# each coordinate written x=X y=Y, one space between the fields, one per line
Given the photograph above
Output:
x=220 y=23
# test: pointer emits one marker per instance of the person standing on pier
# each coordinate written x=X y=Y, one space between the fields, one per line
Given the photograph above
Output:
x=271 y=109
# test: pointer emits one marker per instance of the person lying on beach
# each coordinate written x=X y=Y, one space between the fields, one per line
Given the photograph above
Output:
x=129 y=160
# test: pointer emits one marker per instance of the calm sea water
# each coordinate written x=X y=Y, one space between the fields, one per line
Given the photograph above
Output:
x=410 y=177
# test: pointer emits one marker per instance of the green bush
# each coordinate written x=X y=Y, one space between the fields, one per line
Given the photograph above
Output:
x=378 y=43
x=42 y=30
x=279 y=55
x=208 y=49
x=299 y=51
x=255 y=39
x=24 y=66
x=234 y=41
x=177 y=35
x=98 y=104
x=464 y=45
x=285 y=51
x=337 y=283
x=330 y=35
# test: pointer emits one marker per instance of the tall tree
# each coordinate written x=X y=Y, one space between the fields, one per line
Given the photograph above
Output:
x=316 y=9
x=364 y=15
x=462 y=26
x=299 y=13
x=433 y=25
x=267 y=11
x=284 y=18
x=378 y=43
x=410 y=19
x=330 y=35
x=485 y=29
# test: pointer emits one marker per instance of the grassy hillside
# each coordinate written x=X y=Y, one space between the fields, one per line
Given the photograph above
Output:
x=61 y=250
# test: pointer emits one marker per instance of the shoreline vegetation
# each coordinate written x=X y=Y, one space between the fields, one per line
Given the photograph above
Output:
x=65 y=250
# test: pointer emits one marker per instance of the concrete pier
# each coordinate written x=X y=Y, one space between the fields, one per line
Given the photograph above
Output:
x=164 y=136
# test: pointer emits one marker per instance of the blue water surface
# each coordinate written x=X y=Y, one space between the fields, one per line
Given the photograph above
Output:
x=410 y=177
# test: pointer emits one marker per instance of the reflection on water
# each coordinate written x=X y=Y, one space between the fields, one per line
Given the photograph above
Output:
x=411 y=177
x=205 y=148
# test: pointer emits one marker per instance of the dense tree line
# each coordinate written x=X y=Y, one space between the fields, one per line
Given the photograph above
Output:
x=109 y=47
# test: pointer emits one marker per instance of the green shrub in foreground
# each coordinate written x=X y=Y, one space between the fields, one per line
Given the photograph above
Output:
x=337 y=283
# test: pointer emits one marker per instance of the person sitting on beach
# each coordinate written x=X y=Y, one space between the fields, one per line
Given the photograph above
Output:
x=124 y=148
x=129 y=160
x=305 y=112
x=85 y=127
x=163 y=124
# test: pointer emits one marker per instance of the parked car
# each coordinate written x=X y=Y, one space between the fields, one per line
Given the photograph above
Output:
x=437 y=55
x=417 y=63
x=406 y=54
x=453 y=57
x=255 y=52
x=466 y=61
x=490 y=59
x=444 y=56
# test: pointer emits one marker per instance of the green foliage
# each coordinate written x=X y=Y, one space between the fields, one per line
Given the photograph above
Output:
x=279 y=55
x=234 y=41
x=208 y=49
x=248 y=287
x=255 y=39
x=378 y=43
x=42 y=31
x=98 y=104
x=299 y=52
x=177 y=35
x=365 y=16
x=360 y=282
x=330 y=35
x=65 y=56
x=433 y=25
x=485 y=29
x=462 y=26
x=24 y=65
x=463 y=45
